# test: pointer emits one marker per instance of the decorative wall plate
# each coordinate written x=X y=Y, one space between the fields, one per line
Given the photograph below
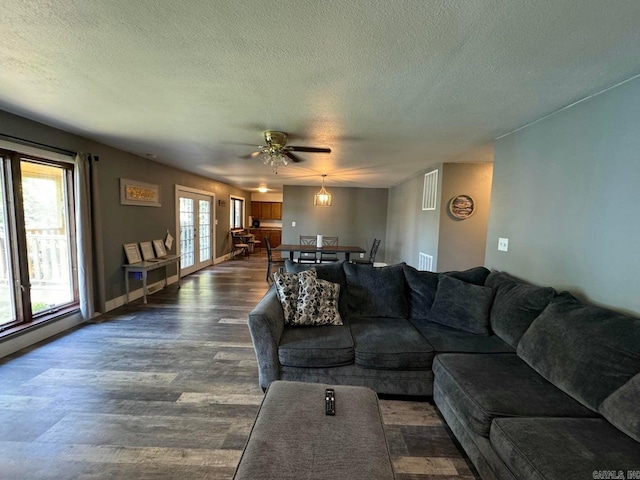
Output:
x=462 y=206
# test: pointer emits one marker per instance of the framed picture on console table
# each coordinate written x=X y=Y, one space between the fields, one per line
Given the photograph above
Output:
x=132 y=252
x=147 y=251
x=159 y=247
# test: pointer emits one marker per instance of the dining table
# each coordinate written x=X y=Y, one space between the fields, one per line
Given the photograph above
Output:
x=293 y=248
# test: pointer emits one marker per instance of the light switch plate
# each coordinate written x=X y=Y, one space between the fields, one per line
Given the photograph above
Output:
x=293 y=224
x=503 y=244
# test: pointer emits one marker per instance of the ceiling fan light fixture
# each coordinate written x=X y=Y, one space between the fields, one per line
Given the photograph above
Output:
x=322 y=198
x=274 y=157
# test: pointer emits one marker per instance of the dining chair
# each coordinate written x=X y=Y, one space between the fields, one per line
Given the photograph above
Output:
x=271 y=262
x=238 y=245
x=372 y=254
x=329 y=257
x=308 y=257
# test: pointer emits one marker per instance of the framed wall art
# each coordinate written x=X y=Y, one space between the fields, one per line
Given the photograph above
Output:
x=462 y=206
x=142 y=194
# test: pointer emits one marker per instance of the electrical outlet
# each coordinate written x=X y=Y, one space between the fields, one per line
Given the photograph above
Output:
x=293 y=224
x=503 y=244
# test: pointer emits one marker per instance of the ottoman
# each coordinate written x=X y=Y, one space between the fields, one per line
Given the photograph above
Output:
x=292 y=438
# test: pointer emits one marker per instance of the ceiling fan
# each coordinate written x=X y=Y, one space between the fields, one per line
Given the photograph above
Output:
x=276 y=152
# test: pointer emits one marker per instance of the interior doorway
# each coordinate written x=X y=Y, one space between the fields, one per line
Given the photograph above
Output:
x=196 y=229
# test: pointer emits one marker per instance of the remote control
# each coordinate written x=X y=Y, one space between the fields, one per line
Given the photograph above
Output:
x=330 y=401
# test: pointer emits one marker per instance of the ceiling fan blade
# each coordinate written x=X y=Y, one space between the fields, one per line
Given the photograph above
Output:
x=250 y=155
x=294 y=158
x=309 y=149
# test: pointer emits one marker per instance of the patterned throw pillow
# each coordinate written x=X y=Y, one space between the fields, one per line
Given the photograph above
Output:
x=287 y=288
x=318 y=302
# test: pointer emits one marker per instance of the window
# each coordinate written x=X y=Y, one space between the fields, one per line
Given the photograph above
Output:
x=237 y=212
x=37 y=239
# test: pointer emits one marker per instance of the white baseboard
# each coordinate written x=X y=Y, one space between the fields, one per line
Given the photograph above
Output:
x=39 y=333
x=221 y=259
x=136 y=294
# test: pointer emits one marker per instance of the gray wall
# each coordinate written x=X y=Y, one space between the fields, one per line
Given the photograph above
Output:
x=410 y=229
x=122 y=223
x=565 y=192
x=357 y=216
x=455 y=244
x=463 y=242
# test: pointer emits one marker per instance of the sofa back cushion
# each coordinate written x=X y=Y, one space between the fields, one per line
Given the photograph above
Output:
x=621 y=408
x=331 y=272
x=421 y=291
x=588 y=352
x=376 y=291
x=475 y=275
x=515 y=306
x=462 y=305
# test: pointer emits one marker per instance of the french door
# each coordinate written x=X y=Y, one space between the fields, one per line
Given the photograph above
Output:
x=195 y=217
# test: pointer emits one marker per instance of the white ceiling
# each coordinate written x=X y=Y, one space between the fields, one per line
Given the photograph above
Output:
x=391 y=86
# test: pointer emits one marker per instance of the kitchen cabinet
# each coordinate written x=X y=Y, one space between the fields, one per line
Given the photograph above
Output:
x=274 y=235
x=266 y=210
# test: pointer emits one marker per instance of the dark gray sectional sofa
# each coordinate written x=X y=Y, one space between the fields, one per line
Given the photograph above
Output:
x=534 y=384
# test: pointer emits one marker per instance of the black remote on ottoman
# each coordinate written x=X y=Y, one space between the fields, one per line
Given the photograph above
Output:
x=330 y=401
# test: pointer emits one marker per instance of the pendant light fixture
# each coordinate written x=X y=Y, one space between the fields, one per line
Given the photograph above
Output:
x=322 y=198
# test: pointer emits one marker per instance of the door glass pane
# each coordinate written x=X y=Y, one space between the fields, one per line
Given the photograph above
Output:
x=47 y=227
x=7 y=306
x=187 y=231
x=204 y=215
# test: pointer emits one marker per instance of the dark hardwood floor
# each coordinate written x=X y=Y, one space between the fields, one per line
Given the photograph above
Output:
x=169 y=390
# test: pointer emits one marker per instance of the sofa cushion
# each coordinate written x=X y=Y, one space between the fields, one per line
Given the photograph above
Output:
x=567 y=448
x=324 y=346
x=621 y=408
x=589 y=352
x=317 y=302
x=483 y=387
x=445 y=339
x=421 y=290
x=515 y=306
x=462 y=305
x=287 y=287
x=332 y=272
x=475 y=275
x=389 y=343
x=376 y=292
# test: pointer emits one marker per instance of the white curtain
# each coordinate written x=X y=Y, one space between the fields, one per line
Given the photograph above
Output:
x=89 y=237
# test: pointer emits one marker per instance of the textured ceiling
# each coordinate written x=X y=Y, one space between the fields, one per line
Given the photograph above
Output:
x=390 y=86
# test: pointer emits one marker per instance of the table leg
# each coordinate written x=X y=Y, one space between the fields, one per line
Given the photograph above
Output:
x=126 y=284
x=291 y=252
x=178 y=263
x=144 y=286
x=347 y=255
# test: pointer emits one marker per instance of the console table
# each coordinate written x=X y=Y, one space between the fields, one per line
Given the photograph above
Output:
x=147 y=266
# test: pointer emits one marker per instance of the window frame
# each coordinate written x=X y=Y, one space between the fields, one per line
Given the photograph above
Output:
x=15 y=226
x=233 y=199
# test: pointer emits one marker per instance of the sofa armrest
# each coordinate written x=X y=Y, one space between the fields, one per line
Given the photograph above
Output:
x=266 y=324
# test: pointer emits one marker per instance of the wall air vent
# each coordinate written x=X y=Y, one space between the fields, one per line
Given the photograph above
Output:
x=425 y=262
x=430 y=191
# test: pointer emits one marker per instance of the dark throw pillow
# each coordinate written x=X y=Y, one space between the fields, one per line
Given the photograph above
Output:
x=376 y=291
x=475 y=275
x=462 y=305
x=421 y=291
x=515 y=306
